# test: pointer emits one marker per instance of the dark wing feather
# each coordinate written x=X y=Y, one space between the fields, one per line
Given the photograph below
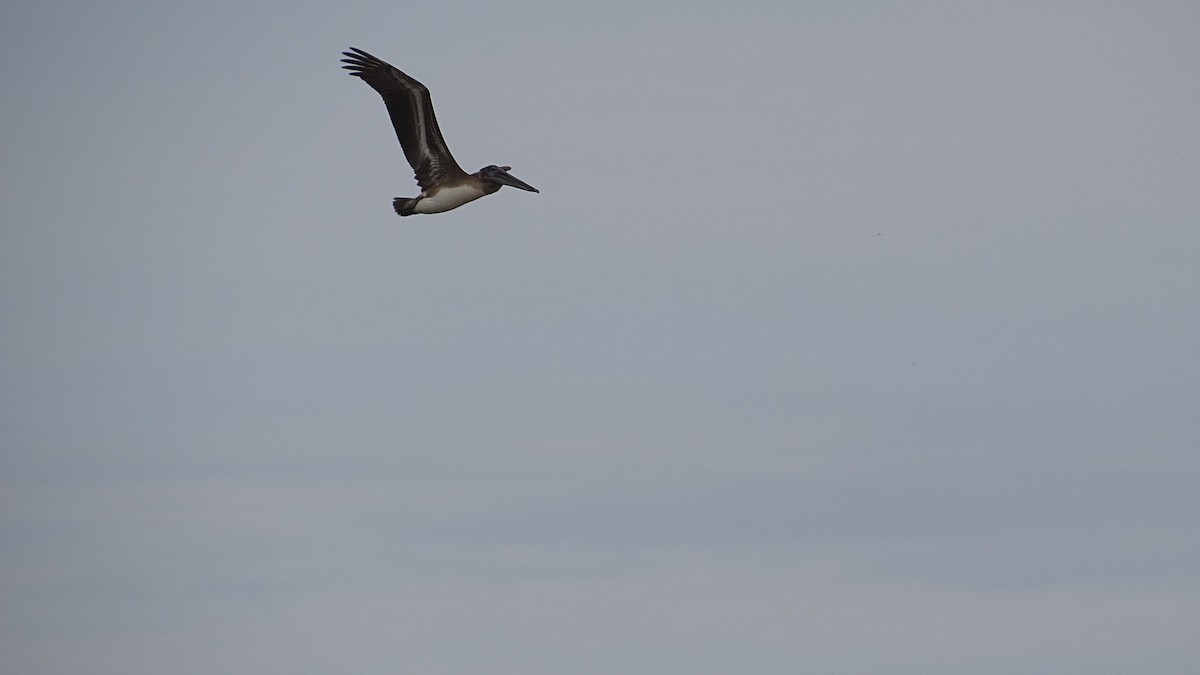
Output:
x=411 y=109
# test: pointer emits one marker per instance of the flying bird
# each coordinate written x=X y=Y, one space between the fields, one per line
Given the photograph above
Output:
x=444 y=185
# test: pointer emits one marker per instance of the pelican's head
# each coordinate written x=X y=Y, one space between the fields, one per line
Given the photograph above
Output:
x=500 y=176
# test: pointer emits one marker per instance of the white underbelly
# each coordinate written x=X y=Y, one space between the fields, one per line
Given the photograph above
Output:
x=448 y=198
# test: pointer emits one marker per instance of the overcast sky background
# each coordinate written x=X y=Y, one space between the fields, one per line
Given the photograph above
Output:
x=842 y=338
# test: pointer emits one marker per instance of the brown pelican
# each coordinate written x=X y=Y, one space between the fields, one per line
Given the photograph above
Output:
x=444 y=185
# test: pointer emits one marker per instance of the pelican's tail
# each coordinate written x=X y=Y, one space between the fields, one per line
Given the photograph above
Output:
x=405 y=206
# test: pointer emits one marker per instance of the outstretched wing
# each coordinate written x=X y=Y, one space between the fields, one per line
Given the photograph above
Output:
x=411 y=110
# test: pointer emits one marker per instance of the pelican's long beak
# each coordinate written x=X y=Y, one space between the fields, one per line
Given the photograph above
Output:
x=503 y=176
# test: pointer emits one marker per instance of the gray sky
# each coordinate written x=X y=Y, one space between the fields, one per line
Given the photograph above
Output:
x=842 y=338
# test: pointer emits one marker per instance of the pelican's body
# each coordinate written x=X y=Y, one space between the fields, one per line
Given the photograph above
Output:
x=444 y=197
x=444 y=185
